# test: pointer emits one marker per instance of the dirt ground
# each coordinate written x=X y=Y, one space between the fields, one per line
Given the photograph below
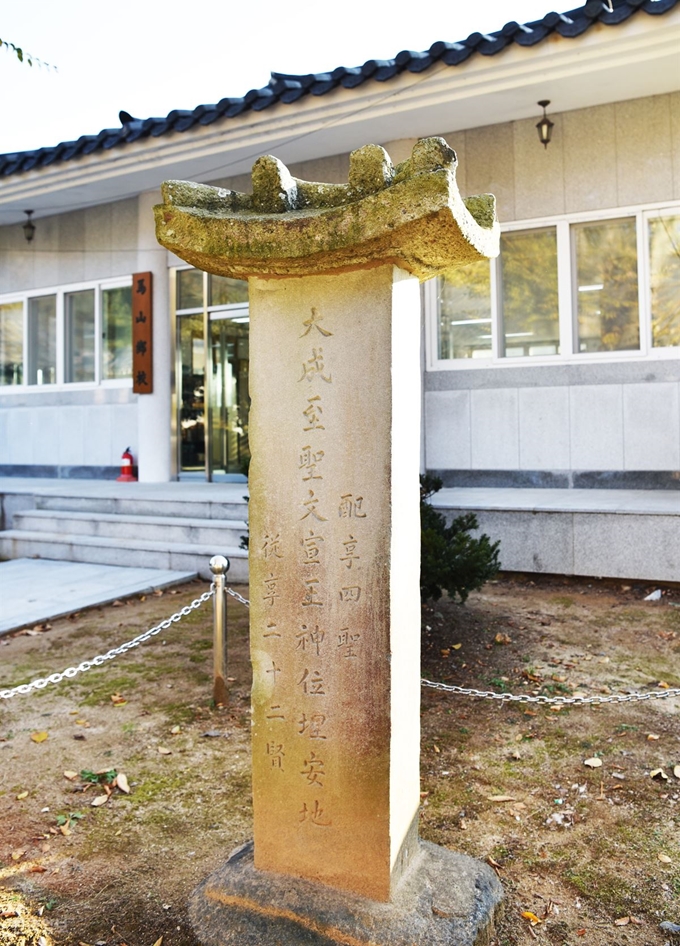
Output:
x=591 y=852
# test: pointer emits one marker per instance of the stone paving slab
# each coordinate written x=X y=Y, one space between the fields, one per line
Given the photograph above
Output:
x=35 y=590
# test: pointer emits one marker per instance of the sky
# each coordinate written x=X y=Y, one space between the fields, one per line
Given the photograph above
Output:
x=151 y=56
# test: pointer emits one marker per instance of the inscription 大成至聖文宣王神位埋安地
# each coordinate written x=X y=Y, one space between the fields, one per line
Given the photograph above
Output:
x=311 y=598
x=314 y=770
x=315 y=815
x=310 y=547
x=312 y=414
x=312 y=683
x=311 y=510
x=314 y=367
x=314 y=323
x=309 y=461
x=310 y=639
x=312 y=725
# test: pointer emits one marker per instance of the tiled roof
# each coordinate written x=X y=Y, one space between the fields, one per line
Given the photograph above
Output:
x=286 y=89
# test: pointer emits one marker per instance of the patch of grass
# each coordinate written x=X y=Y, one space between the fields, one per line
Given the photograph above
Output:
x=564 y=601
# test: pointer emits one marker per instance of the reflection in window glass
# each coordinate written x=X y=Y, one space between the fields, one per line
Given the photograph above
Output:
x=42 y=340
x=80 y=342
x=226 y=291
x=117 y=333
x=12 y=343
x=465 y=312
x=664 y=258
x=192 y=392
x=190 y=289
x=607 y=286
x=528 y=296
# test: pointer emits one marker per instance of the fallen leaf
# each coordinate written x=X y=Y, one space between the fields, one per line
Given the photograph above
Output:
x=65 y=830
x=37 y=869
x=122 y=783
x=163 y=751
x=676 y=771
x=82 y=722
x=7 y=914
x=658 y=774
x=99 y=801
x=158 y=592
x=117 y=604
x=593 y=763
x=436 y=748
x=160 y=938
x=175 y=730
x=456 y=646
x=502 y=639
x=492 y=863
x=22 y=795
x=652 y=737
x=663 y=685
x=582 y=931
x=70 y=775
x=665 y=859
x=38 y=736
x=499 y=798
x=531 y=917
x=17 y=855
x=118 y=700
x=622 y=921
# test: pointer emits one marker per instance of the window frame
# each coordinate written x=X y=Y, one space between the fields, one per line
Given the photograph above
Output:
x=566 y=302
x=60 y=292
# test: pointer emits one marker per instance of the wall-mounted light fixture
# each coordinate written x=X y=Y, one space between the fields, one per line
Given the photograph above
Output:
x=545 y=126
x=29 y=226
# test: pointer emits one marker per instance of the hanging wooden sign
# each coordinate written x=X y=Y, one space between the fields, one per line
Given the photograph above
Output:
x=142 y=336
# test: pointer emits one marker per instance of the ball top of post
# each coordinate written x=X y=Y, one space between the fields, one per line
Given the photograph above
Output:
x=219 y=565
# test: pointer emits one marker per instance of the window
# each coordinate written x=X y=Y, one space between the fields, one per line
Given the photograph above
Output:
x=73 y=335
x=572 y=288
x=12 y=343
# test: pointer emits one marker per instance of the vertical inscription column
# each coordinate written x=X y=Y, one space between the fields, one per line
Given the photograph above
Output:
x=320 y=534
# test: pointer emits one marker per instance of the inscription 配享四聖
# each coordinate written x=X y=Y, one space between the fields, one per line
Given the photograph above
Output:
x=310 y=546
x=348 y=642
x=310 y=639
x=350 y=507
x=312 y=725
x=271 y=546
x=314 y=770
x=276 y=754
x=313 y=413
x=275 y=712
x=313 y=322
x=311 y=598
x=350 y=593
x=310 y=505
x=312 y=683
x=309 y=460
x=271 y=587
x=314 y=366
x=315 y=815
x=350 y=551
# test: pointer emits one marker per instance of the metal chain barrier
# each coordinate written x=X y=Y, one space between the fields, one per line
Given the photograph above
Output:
x=86 y=665
x=443 y=687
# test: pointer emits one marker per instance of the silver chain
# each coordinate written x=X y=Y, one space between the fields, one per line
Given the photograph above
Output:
x=86 y=665
x=552 y=700
x=444 y=687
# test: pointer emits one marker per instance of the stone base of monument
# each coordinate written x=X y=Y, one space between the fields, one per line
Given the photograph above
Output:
x=444 y=899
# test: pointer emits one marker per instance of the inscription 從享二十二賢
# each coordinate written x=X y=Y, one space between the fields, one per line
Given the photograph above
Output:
x=276 y=754
x=271 y=546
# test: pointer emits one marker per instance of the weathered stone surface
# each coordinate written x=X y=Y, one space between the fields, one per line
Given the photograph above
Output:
x=411 y=216
x=445 y=899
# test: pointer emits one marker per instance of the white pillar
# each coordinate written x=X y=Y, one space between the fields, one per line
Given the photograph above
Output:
x=153 y=410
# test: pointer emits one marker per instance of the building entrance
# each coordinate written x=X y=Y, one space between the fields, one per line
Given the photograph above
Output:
x=212 y=401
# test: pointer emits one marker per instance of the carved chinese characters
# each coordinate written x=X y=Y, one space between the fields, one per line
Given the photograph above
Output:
x=320 y=547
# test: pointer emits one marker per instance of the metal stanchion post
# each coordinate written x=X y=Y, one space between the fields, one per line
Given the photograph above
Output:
x=219 y=566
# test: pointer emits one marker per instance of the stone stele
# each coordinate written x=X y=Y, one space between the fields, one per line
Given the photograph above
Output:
x=335 y=547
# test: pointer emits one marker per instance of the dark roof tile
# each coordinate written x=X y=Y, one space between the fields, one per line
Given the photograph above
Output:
x=287 y=89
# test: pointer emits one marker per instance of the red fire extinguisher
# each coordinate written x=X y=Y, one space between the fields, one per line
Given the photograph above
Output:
x=126 y=468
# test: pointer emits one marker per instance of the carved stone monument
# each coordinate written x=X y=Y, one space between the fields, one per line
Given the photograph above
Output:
x=335 y=547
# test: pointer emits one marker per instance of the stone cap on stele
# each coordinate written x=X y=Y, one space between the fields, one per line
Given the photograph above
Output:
x=411 y=216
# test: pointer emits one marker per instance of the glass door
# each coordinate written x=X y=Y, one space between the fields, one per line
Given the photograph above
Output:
x=229 y=400
x=191 y=393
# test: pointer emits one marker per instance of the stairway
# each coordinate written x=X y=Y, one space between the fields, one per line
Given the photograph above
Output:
x=164 y=527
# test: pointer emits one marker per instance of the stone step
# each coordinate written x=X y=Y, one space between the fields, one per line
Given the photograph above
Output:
x=178 y=556
x=220 y=532
x=189 y=507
